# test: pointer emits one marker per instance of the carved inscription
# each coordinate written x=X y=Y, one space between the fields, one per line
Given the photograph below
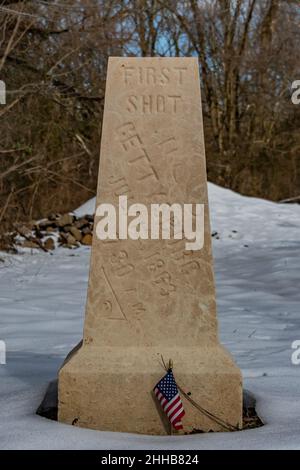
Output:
x=120 y=186
x=135 y=306
x=153 y=76
x=120 y=264
x=153 y=104
x=139 y=158
x=161 y=279
x=146 y=75
x=108 y=304
x=185 y=260
x=169 y=145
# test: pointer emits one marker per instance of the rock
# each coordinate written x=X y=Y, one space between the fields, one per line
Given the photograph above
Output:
x=49 y=244
x=86 y=230
x=63 y=238
x=70 y=239
x=66 y=219
x=70 y=228
x=53 y=216
x=67 y=240
x=76 y=233
x=30 y=244
x=82 y=222
x=38 y=233
x=44 y=224
x=67 y=228
x=25 y=231
x=87 y=239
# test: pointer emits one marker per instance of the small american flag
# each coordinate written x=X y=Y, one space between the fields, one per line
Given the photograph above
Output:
x=169 y=398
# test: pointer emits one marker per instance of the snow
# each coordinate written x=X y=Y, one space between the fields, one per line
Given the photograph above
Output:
x=257 y=268
x=86 y=208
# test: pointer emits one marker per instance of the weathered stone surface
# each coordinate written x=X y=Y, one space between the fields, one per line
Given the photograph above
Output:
x=48 y=407
x=148 y=299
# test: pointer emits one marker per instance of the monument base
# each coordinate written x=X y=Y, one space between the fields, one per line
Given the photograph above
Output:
x=110 y=389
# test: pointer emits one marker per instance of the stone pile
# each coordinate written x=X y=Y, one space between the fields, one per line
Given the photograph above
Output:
x=65 y=230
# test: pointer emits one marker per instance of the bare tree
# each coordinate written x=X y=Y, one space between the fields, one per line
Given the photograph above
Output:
x=53 y=58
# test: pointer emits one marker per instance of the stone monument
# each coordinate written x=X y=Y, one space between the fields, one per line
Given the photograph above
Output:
x=149 y=299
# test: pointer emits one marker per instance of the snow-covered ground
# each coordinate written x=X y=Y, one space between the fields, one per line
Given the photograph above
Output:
x=257 y=266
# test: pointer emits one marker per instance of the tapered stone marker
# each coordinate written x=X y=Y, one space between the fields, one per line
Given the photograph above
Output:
x=149 y=299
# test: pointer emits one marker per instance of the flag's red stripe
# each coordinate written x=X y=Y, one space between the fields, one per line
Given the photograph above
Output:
x=174 y=411
x=160 y=397
x=171 y=404
x=175 y=407
x=177 y=416
x=178 y=425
